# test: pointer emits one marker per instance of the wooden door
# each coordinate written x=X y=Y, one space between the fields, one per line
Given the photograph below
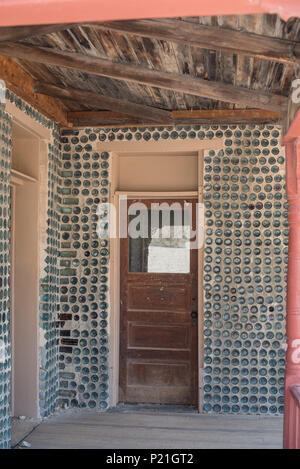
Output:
x=158 y=333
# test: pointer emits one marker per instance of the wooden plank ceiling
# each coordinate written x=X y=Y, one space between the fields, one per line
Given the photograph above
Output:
x=169 y=72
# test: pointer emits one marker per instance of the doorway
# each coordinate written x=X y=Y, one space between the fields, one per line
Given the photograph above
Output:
x=158 y=303
x=25 y=272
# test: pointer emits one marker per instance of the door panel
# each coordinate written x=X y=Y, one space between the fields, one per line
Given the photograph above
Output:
x=159 y=296
x=158 y=337
x=151 y=374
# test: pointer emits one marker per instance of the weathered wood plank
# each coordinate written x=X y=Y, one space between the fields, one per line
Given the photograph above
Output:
x=22 y=84
x=226 y=116
x=19 y=33
x=160 y=79
x=103 y=118
x=210 y=37
x=248 y=114
x=104 y=102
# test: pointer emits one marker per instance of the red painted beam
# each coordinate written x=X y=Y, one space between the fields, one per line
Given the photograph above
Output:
x=292 y=373
x=30 y=12
x=291 y=427
x=293 y=131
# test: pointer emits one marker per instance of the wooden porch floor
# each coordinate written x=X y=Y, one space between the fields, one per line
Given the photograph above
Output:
x=158 y=430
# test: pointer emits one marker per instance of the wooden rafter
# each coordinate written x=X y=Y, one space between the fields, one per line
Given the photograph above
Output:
x=128 y=72
x=211 y=37
x=19 y=33
x=192 y=34
x=21 y=83
x=104 y=102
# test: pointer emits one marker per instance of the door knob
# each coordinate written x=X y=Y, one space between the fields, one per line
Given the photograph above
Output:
x=194 y=316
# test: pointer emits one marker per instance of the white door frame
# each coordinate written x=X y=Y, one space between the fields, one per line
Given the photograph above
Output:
x=116 y=148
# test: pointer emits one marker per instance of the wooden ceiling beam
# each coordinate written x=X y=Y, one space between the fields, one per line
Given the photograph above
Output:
x=211 y=37
x=104 y=102
x=134 y=73
x=245 y=115
x=19 y=33
x=105 y=119
x=192 y=34
x=214 y=116
x=21 y=83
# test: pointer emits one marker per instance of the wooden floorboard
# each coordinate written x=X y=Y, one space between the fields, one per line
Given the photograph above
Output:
x=128 y=430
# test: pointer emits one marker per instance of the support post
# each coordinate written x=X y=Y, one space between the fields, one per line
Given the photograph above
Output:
x=292 y=375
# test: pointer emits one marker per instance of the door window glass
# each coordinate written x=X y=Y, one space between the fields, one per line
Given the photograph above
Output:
x=162 y=244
